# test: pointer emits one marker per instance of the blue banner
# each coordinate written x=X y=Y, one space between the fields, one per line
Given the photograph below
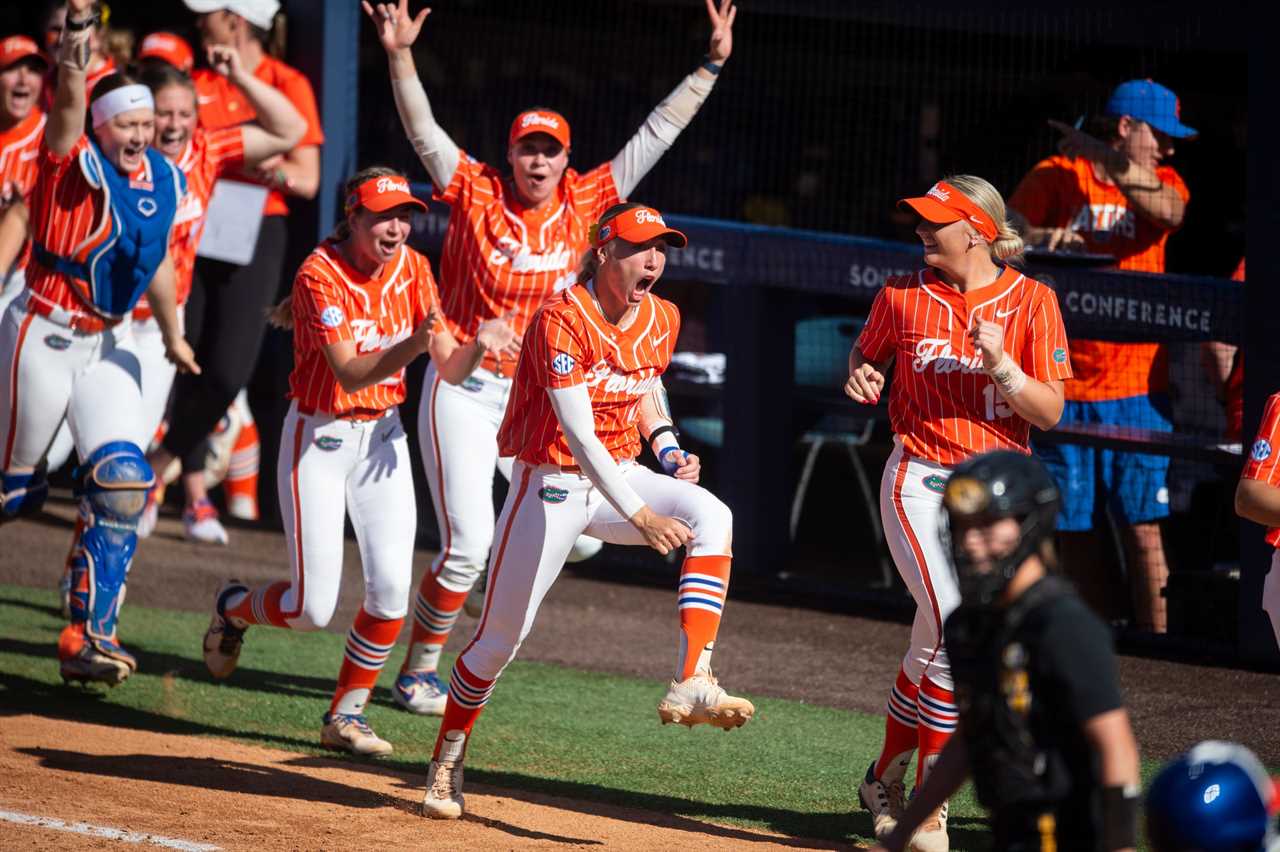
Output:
x=1097 y=304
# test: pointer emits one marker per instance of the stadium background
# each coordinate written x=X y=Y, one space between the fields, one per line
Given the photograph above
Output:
x=825 y=115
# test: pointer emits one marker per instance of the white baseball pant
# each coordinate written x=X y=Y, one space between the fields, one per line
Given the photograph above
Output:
x=1271 y=594
x=545 y=512
x=458 y=435
x=911 y=510
x=157 y=379
x=52 y=374
x=367 y=463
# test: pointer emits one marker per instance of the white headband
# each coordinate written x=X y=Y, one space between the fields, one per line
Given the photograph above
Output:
x=121 y=100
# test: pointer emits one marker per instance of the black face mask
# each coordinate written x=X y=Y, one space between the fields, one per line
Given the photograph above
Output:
x=984 y=588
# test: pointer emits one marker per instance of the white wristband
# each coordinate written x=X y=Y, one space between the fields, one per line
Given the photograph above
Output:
x=1008 y=376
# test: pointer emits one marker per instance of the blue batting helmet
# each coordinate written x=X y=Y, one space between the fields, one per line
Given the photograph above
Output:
x=1215 y=798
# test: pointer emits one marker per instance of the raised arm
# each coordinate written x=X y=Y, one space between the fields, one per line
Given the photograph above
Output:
x=397 y=32
x=66 y=119
x=279 y=128
x=1151 y=197
x=673 y=114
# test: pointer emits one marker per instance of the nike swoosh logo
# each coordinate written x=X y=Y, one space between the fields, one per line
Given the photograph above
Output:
x=401 y=284
x=658 y=341
x=1003 y=314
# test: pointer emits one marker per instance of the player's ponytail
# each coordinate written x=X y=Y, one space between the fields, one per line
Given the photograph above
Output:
x=1007 y=247
x=590 y=263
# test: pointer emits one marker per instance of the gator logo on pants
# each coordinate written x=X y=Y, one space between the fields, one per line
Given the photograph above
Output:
x=934 y=482
x=328 y=442
x=57 y=343
x=553 y=495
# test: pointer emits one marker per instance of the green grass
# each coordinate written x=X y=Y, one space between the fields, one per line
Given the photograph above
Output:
x=794 y=769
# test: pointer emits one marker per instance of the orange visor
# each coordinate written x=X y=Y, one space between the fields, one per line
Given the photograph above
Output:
x=637 y=225
x=16 y=48
x=540 y=121
x=380 y=194
x=169 y=47
x=944 y=204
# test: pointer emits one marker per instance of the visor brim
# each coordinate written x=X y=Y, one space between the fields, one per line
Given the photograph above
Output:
x=931 y=210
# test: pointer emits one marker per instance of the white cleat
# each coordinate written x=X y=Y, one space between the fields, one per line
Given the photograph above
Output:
x=352 y=733
x=931 y=836
x=243 y=507
x=421 y=693
x=200 y=523
x=444 y=799
x=885 y=800
x=223 y=640
x=701 y=700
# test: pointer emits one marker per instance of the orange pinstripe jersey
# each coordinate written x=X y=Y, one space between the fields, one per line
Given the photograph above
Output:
x=19 y=159
x=1065 y=193
x=1264 y=458
x=500 y=257
x=942 y=405
x=222 y=104
x=569 y=342
x=208 y=154
x=333 y=302
x=67 y=217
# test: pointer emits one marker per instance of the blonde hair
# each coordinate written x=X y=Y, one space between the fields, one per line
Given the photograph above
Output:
x=590 y=263
x=1007 y=247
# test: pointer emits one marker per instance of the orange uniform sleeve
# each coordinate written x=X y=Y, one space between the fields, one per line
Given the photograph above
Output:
x=320 y=313
x=595 y=192
x=1264 y=461
x=225 y=149
x=460 y=189
x=557 y=351
x=1038 y=196
x=1045 y=356
x=879 y=338
x=428 y=293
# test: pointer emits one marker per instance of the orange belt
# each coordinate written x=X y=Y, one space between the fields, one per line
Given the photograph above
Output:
x=83 y=323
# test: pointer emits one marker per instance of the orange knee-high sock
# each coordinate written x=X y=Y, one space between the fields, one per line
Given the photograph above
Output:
x=899 y=730
x=467 y=696
x=704 y=582
x=260 y=606
x=369 y=643
x=434 y=612
x=241 y=483
x=938 y=717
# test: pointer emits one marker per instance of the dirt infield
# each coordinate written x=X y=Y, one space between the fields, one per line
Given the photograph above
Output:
x=205 y=791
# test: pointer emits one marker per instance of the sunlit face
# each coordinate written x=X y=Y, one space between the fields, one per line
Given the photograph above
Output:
x=537 y=162
x=378 y=236
x=217 y=28
x=1142 y=143
x=944 y=245
x=629 y=270
x=124 y=138
x=175 y=119
x=985 y=541
x=20 y=86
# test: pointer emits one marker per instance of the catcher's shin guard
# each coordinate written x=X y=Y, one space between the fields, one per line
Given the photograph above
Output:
x=112 y=486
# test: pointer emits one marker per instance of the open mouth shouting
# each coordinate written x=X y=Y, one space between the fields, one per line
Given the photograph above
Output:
x=131 y=155
x=642 y=288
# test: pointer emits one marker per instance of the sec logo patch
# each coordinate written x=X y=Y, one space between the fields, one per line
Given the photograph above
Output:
x=1060 y=356
x=563 y=364
x=332 y=316
x=1261 y=450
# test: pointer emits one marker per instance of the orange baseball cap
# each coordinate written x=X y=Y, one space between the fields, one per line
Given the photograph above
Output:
x=637 y=225
x=17 y=48
x=545 y=121
x=380 y=194
x=943 y=203
x=169 y=47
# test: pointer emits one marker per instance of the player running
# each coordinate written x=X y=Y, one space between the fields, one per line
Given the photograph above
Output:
x=512 y=242
x=102 y=212
x=22 y=69
x=981 y=355
x=590 y=375
x=363 y=306
x=1258 y=500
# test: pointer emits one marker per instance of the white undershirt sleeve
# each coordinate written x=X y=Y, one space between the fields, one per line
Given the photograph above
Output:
x=572 y=406
x=659 y=132
x=438 y=153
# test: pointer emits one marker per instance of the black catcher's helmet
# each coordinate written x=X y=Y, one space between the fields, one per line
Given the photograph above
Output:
x=985 y=488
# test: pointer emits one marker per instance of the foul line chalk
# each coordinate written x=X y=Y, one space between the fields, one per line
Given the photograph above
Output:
x=106 y=832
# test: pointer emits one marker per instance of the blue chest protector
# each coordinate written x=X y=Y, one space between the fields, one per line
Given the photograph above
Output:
x=119 y=263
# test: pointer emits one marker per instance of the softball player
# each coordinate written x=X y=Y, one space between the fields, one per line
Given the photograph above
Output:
x=981 y=355
x=590 y=376
x=102 y=212
x=22 y=68
x=512 y=242
x=1258 y=499
x=363 y=306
